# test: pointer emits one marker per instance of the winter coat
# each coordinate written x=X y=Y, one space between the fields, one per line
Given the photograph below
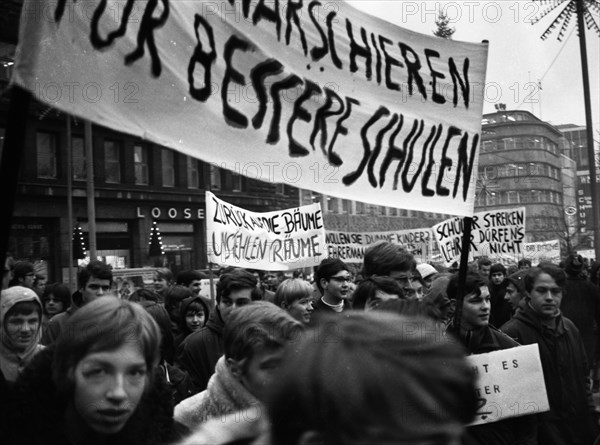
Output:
x=37 y=412
x=201 y=350
x=178 y=381
x=512 y=431
x=571 y=419
x=501 y=310
x=183 y=330
x=581 y=305
x=56 y=324
x=224 y=395
x=13 y=362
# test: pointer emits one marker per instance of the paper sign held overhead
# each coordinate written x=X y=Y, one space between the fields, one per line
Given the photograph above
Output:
x=320 y=96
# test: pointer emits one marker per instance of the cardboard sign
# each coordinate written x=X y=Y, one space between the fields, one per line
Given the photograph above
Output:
x=350 y=246
x=315 y=94
x=497 y=234
x=281 y=240
x=510 y=383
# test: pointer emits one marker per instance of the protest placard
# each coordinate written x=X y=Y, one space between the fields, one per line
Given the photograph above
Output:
x=350 y=246
x=281 y=240
x=543 y=251
x=510 y=383
x=318 y=95
x=497 y=234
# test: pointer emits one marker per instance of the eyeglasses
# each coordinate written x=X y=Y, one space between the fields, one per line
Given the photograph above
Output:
x=342 y=279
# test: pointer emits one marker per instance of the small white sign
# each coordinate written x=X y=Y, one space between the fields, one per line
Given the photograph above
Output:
x=510 y=383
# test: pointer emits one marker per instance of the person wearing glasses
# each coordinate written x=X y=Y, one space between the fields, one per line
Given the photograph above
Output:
x=94 y=281
x=332 y=279
x=572 y=418
x=23 y=274
x=392 y=260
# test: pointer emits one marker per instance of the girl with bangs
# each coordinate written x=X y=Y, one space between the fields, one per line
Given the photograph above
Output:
x=96 y=385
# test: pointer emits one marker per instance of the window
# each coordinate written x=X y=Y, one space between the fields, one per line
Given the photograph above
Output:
x=46 y=155
x=236 y=184
x=168 y=168
x=360 y=208
x=79 y=164
x=140 y=163
x=193 y=173
x=509 y=143
x=112 y=161
x=215 y=178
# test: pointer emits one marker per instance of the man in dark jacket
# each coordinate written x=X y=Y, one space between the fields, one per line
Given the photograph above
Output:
x=572 y=419
x=202 y=349
x=581 y=305
x=93 y=281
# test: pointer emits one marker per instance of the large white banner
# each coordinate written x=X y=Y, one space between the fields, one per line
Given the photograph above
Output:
x=282 y=240
x=350 y=246
x=497 y=234
x=314 y=94
x=543 y=251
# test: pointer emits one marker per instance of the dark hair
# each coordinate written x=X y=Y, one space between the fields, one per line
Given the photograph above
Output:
x=594 y=273
x=175 y=295
x=367 y=289
x=60 y=291
x=22 y=269
x=473 y=283
x=193 y=303
x=524 y=262
x=24 y=308
x=97 y=269
x=186 y=277
x=366 y=359
x=103 y=324
x=498 y=267
x=161 y=316
x=233 y=280
x=143 y=294
x=328 y=268
x=383 y=257
x=258 y=325
x=555 y=272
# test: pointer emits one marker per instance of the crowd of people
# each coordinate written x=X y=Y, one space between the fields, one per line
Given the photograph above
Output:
x=374 y=354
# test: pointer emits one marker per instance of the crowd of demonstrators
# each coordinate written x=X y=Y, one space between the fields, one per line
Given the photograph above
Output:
x=228 y=360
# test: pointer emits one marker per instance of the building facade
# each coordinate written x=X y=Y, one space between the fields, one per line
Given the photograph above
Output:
x=521 y=163
x=135 y=184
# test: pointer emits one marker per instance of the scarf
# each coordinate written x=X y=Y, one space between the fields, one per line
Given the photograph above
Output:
x=223 y=395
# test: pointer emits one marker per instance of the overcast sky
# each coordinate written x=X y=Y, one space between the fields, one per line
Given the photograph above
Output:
x=516 y=56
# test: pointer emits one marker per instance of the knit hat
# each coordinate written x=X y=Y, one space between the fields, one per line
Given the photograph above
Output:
x=517 y=279
x=574 y=264
x=426 y=270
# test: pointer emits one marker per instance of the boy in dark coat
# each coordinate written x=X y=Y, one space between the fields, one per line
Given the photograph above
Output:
x=572 y=419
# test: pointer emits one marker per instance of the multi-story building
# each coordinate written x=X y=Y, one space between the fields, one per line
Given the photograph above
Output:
x=136 y=183
x=521 y=164
x=577 y=149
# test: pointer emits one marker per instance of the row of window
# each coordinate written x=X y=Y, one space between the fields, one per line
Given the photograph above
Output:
x=487 y=198
x=47 y=165
x=507 y=117
x=344 y=206
x=520 y=143
x=519 y=170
